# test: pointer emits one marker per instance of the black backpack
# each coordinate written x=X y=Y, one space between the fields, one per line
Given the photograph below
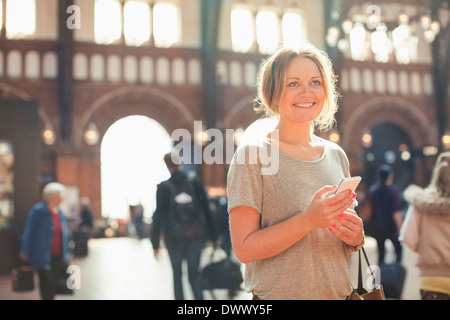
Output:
x=187 y=220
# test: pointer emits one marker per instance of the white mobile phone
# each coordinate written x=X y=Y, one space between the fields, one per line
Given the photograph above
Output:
x=348 y=183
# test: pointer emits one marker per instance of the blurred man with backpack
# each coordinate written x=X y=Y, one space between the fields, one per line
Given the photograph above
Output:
x=183 y=220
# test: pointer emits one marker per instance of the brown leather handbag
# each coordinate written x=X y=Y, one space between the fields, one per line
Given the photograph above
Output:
x=362 y=294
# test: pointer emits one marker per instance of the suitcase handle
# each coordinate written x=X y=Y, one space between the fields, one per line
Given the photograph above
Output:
x=215 y=250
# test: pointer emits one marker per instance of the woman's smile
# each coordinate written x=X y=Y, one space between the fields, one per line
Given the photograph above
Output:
x=305 y=105
x=304 y=93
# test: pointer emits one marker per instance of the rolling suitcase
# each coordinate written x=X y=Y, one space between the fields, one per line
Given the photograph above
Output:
x=22 y=278
x=392 y=280
x=80 y=238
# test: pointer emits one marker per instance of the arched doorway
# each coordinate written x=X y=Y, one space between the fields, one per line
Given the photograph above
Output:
x=391 y=145
x=132 y=165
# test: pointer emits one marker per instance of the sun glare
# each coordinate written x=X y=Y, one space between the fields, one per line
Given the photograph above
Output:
x=257 y=131
x=167 y=30
x=293 y=29
x=241 y=30
x=108 y=27
x=267 y=31
x=132 y=165
x=21 y=18
x=137 y=22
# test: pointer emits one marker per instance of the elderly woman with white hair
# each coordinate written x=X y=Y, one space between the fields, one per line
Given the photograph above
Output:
x=45 y=242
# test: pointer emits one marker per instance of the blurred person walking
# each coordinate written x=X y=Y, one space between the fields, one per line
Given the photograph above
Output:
x=184 y=220
x=387 y=214
x=137 y=220
x=84 y=230
x=45 y=242
x=86 y=218
x=426 y=230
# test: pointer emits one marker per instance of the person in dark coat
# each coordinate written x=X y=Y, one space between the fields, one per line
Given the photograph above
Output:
x=387 y=212
x=180 y=249
x=86 y=222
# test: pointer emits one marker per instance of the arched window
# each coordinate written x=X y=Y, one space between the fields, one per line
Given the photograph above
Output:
x=20 y=18
x=293 y=29
x=108 y=21
x=267 y=31
x=242 y=29
x=166 y=24
x=132 y=165
x=137 y=23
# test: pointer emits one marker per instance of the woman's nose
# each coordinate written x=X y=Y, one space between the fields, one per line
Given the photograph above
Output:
x=304 y=89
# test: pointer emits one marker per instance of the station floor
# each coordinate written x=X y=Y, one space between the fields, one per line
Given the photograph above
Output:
x=125 y=269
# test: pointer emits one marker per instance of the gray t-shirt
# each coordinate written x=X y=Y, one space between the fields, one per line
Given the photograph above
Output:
x=317 y=266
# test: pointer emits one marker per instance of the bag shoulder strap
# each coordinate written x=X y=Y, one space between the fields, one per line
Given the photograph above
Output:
x=168 y=184
x=361 y=289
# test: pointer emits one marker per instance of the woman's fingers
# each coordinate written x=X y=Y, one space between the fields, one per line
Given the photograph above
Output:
x=341 y=202
x=325 y=207
x=348 y=228
x=325 y=192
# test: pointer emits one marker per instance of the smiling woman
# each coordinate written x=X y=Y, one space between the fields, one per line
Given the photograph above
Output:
x=304 y=94
x=271 y=90
x=284 y=222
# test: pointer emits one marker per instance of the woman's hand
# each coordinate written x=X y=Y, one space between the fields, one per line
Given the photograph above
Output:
x=349 y=228
x=251 y=243
x=323 y=210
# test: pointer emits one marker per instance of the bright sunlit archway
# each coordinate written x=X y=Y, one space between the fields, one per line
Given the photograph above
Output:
x=132 y=165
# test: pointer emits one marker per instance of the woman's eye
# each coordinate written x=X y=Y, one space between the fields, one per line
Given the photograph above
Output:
x=316 y=82
x=293 y=84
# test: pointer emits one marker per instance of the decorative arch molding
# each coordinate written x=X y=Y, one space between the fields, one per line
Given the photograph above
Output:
x=22 y=95
x=151 y=102
x=402 y=113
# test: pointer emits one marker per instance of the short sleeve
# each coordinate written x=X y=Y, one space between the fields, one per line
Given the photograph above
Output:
x=244 y=183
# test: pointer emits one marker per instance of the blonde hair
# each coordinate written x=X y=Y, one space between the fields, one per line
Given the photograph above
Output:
x=441 y=175
x=272 y=76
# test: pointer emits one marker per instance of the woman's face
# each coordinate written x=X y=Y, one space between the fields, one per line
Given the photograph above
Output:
x=304 y=92
x=54 y=200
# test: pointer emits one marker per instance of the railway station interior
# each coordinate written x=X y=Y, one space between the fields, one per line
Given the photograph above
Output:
x=93 y=93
